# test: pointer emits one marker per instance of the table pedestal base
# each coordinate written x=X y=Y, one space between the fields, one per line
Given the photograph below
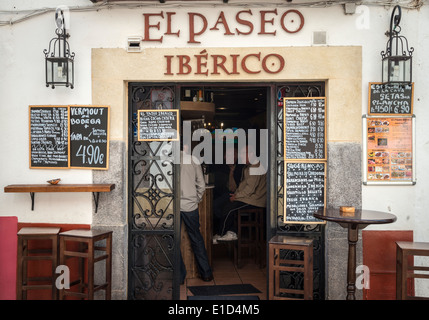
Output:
x=353 y=238
x=359 y=220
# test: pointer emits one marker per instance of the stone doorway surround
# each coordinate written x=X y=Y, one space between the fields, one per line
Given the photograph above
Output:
x=340 y=67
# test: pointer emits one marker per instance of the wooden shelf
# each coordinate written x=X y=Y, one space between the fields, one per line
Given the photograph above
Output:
x=32 y=188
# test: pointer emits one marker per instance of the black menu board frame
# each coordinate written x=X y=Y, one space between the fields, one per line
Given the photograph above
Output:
x=314 y=136
x=171 y=124
x=89 y=149
x=304 y=190
x=66 y=129
x=33 y=121
x=395 y=98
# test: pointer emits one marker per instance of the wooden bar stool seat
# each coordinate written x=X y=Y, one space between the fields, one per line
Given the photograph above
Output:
x=281 y=262
x=405 y=269
x=87 y=250
x=250 y=233
x=25 y=254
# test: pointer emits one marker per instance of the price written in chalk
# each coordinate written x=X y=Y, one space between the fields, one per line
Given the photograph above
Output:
x=49 y=143
x=69 y=137
x=90 y=154
x=89 y=136
x=158 y=125
x=304 y=123
x=305 y=190
x=388 y=99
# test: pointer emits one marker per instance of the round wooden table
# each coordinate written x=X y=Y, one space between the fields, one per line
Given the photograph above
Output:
x=353 y=222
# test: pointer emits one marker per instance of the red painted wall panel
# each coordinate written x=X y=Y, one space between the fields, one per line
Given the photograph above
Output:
x=379 y=255
x=8 y=245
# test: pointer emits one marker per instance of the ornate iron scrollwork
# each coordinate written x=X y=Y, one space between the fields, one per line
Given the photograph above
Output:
x=151 y=203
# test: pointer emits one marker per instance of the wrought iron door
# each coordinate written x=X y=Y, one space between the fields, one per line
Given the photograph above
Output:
x=153 y=208
x=294 y=280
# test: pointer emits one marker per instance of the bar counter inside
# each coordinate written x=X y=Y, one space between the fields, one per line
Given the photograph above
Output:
x=206 y=219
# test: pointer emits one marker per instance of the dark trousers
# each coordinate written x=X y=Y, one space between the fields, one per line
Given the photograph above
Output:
x=226 y=216
x=191 y=220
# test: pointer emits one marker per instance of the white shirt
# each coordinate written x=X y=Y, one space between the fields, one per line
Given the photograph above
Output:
x=192 y=183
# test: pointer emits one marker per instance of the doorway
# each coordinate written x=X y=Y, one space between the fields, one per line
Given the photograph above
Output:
x=153 y=183
x=238 y=111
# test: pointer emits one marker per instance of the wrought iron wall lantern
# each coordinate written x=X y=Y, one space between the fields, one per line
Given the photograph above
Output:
x=397 y=59
x=59 y=67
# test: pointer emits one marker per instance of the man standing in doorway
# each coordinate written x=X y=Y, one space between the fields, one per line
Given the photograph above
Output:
x=192 y=187
x=252 y=191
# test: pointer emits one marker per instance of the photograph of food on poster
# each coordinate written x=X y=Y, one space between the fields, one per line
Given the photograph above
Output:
x=389 y=149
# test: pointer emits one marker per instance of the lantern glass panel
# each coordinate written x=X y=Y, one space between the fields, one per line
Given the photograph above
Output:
x=59 y=71
x=397 y=69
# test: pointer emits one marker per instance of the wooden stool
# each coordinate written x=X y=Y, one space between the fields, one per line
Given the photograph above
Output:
x=25 y=254
x=232 y=249
x=405 y=267
x=250 y=232
x=278 y=264
x=86 y=240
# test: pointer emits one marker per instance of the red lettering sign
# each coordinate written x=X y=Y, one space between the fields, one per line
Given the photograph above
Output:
x=148 y=26
x=264 y=21
x=192 y=32
x=271 y=21
x=216 y=64
x=301 y=19
x=244 y=22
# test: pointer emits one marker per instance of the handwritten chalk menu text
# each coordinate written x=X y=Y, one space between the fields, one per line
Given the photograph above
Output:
x=69 y=137
x=305 y=191
x=89 y=136
x=49 y=139
x=304 y=123
x=158 y=125
x=390 y=99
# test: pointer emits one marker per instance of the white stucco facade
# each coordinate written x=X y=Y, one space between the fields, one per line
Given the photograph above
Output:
x=22 y=84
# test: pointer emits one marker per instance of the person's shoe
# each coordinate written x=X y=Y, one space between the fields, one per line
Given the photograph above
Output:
x=215 y=238
x=228 y=236
x=207 y=279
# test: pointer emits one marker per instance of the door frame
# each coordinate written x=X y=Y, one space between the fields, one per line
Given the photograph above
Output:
x=272 y=223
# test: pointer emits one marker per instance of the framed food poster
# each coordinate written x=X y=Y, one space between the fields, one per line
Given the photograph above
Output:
x=389 y=150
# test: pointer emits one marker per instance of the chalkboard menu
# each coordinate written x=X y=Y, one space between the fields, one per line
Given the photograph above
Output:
x=69 y=137
x=390 y=98
x=49 y=139
x=304 y=128
x=89 y=136
x=158 y=125
x=305 y=191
